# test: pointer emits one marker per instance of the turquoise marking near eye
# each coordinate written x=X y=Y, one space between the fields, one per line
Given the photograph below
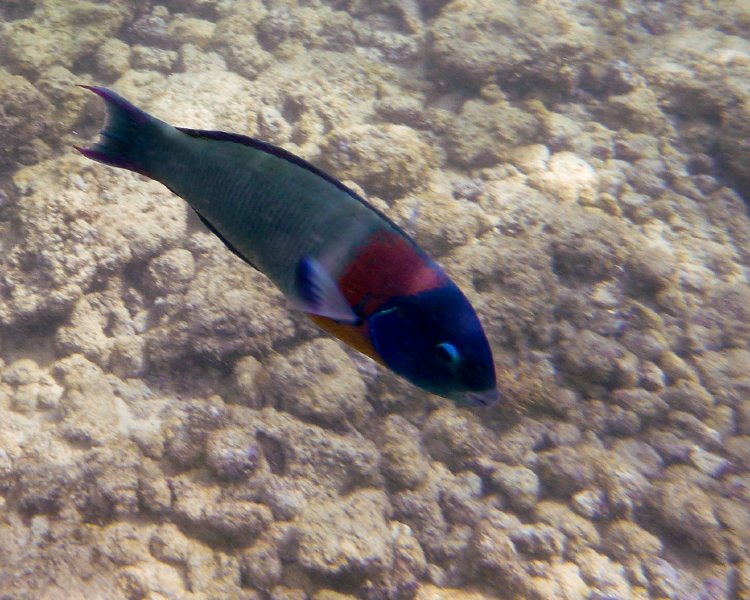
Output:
x=447 y=353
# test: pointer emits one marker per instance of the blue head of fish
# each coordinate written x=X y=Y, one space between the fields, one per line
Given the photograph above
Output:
x=435 y=340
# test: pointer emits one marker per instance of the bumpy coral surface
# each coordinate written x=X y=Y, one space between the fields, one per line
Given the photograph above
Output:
x=170 y=429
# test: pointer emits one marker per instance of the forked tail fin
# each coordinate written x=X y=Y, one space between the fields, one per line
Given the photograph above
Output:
x=127 y=139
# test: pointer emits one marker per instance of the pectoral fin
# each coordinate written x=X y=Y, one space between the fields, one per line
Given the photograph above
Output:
x=318 y=294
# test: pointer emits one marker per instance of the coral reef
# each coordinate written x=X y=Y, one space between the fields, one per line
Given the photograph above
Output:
x=24 y=137
x=171 y=430
x=480 y=42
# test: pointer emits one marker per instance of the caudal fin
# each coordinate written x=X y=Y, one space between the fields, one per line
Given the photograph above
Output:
x=128 y=136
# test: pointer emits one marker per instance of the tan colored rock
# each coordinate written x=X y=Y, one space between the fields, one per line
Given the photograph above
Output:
x=743 y=578
x=55 y=84
x=404 y=463
x=676 y=368
x=686 y=508
x=170 y=272
x=580 y=532
x=431 y=592
x=477 y=42
x=348 y=537
x=127 y=356
x=515 y=284
x=454 y=436
x=637 y=110
x=319 y=383
x=444 y=223
x=198 y=568
x=42 y=486
x=203 y=507
x=87 y=408
x=625 y=540
x=407 y=552
x=421 y=510
x=568 y=178
x=486 y=132
x=107 y=482
x=186 y=429
x=309 y=462
x=567 y=470
x=386 y=160
x=168 y=544
x=236 y=312
x=599 y=572
x=25 y=117
x=232 y=453
x=247 y=371
x=689 y=74
x=124 y=544
x=497 y=559
x=191 y=30
x=331 y=595
x=43 y=39
x=149 y=58
x=85 y=333
x=519 y=484
x=113 y=58
x=533 y=158
x=562 y=581
x=153 y=488
x=234 y=38
x=283 y=592
x=22 y=372
x=32 y=387
x=261 y=565
x=79 y=235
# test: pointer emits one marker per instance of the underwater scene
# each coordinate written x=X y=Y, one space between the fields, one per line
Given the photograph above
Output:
x=496 y=343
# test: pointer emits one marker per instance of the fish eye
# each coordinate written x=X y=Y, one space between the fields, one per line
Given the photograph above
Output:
x=447 y=353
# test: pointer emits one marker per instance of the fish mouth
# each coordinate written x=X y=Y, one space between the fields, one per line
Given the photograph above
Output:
x=487 y=398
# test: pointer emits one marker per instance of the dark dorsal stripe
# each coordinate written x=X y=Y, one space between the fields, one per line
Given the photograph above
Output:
x=224 y=136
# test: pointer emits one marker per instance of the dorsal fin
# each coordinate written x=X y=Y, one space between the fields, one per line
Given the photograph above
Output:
x=245 y=140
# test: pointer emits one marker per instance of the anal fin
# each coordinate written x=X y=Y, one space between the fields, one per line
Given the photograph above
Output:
x=226 y=242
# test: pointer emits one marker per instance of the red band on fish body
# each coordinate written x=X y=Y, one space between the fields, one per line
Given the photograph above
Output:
x=385 y=267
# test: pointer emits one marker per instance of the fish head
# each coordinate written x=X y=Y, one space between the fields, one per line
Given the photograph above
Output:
x=435 y=340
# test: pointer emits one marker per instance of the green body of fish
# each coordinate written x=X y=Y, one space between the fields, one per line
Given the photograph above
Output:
x=271 y=210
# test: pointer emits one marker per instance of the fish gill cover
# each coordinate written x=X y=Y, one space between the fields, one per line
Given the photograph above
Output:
x=169 y=429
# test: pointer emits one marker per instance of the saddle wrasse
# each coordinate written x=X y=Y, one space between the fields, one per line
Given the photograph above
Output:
x=356 y=273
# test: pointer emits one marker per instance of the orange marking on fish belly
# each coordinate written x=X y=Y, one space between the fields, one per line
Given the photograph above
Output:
x=355 y=336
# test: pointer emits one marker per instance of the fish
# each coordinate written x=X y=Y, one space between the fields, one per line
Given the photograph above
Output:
x=337 y=258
